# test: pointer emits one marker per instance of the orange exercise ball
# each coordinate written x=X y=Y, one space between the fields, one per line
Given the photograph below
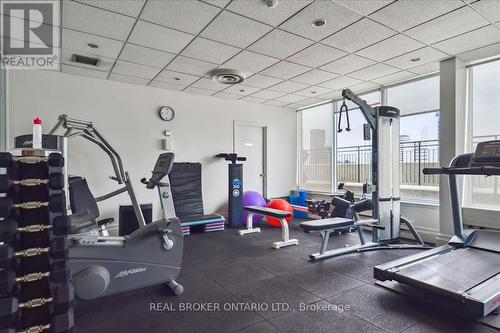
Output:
x=279 y=204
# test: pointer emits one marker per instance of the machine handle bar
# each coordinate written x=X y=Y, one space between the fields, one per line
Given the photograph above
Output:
x=483 y=170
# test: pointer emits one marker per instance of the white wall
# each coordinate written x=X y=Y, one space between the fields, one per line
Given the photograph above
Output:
x=128 y=116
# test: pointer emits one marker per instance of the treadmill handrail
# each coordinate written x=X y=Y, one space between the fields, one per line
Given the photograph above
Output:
x=482 y=170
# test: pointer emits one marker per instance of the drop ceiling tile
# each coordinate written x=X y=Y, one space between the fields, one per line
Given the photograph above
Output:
x=209 y=84
x=166 y=85
x=316 y=55
x=235 y=30
x=311 y=101
x=363 y=87
x=135 y=70
x=190 y=66
x=176 y=78
x=261 y=81
x=128 y=79
x=390 y=48
x=218 y=3
x=426 y=54
x=17 y=32
x=288 y=44
x=210 y=51
x=96 y=21
x=257 y=10
x=158 y=37
x=402 y=15
x=126 y=7
x=374 y=71
x=226 y=95
x=276 y=103
x=347 y=64
x=145 y=56
x=431 y=67
x=252 y=99
x=336 y=16
x=83 y=71
x=187 y=16
x=268 y=94
x=394 y=78
x=340 y=83
x=240 y=89
x=449 y=25
x=199 y=91
x=78 y=41
x=294 y=106
x=361 y=34
x=481 y=53
x=312 y=92
x=290 y=98
x=104 y=63
x=314 y=76
x=470 y=41
x=365 y=7
x=289 y=86
x=250 y=62
x=285 y=70
x=336 y=94
x=489 y=9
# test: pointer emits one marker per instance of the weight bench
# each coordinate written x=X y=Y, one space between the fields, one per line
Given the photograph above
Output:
x=326 y=226
x=269 y=212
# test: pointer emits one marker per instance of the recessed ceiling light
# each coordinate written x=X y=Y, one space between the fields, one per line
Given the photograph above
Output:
x=415 y=59
x=242 y=90
x=313 y=92
x=318 y=23
x=177 y=78
x=92 y=45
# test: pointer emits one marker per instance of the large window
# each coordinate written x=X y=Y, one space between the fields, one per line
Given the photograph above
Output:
x=484 y=192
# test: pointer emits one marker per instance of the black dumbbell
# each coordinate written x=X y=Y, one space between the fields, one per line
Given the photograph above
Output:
x=58 y=249
x=9 y=228
x=56 y=203
x=59 y=273
x=5 y=160
x=55 y=181
x=62 y=323
x=56 y=160
x=60 y=302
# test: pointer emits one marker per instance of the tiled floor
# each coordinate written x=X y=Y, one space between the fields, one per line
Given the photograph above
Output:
x=227 y=270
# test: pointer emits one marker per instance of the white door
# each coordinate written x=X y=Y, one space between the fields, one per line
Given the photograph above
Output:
x=249 y=141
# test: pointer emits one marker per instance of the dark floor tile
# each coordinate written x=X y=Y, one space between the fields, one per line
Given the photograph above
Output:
x=457 y=326
x=239 y=272
x=326 y=320
x=263 y=327
x=280 y=263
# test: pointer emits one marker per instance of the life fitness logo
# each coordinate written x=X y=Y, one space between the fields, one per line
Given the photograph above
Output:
x=236 y=185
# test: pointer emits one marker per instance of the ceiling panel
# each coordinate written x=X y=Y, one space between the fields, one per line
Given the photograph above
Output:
x=198 y=91
x=240 y=89
x=96 y=21
x=17 y=34
x=449 y=25
x=311 y=101
x=374 y=71
x=135 y=70
x=364 y=7
x=210 y=51
x=261 y=81
x=79 y=41
x=235 y=30
x=187 y=16
x=158 y=37
x=83 y=71
x=425 y=69
x=481 y=53
x=176 y=78
x=289 y=86
x=290 y=98
x=470 y=41
x=285 y=70
x=252 y=99
x=365 y=86
x=126 y=7
x=190 y=66
x=347 y=64
x=209 y=84
x=316 y=55
x=145 y=56
x=276 y=103
x=336 y=16
x=250 y=62
x=312 y=92
x=128 y=79
x=314 y=76
x=489 y=9
x=226 y=95
x=393 y=78
x=104 y=63
x=166 y=85
x=288 y=44
x=402 y=15
x=425 y=55
x=340 y=83
x=331 y=95
x=268 y=94
x=390 y=48
x=257 y=10
x=359 y=35
x=218 y=3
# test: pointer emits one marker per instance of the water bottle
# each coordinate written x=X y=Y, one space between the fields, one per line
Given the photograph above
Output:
x=37 y=133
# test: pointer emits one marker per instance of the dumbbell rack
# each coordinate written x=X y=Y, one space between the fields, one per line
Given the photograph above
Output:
x=36 y=294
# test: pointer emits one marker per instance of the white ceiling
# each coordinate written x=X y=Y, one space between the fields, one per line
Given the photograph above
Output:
x=365 y=43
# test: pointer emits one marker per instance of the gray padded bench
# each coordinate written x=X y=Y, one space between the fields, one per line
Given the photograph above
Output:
x=269 y=212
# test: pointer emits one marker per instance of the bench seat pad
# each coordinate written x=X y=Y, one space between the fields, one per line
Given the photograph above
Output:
x=280 y=214
x=333 y=223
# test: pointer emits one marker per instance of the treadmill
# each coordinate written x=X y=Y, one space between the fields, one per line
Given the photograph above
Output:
x=466 y=271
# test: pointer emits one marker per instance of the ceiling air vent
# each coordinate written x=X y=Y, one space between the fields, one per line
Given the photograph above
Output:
x=85 y=60
x=227 y=76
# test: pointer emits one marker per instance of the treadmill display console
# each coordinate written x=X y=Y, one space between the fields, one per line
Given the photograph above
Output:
x=488 y=151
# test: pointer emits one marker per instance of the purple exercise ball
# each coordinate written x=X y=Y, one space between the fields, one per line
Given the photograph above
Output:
x=252 y=198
